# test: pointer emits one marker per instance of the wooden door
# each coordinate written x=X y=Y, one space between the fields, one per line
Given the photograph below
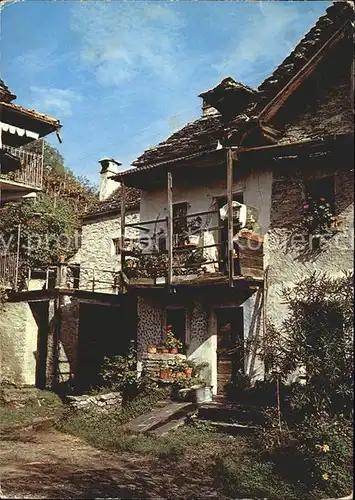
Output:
x=230 y=352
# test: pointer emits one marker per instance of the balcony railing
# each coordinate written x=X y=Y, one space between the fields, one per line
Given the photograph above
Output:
x=31 y=172
x=199 y=253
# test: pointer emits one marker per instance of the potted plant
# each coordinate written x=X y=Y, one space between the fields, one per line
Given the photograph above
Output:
x=194 y=368
x=151 y=348
x=178 y=368
x=165 y=371
x=172 y=343
x=317 y=216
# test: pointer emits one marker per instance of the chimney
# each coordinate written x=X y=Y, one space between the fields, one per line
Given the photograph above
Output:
x=109 y=167
x=207 y=109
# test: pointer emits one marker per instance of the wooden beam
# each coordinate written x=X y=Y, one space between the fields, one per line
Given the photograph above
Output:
x=277 y=102
x=230 y=214
x=123 y=222
x=170 y=228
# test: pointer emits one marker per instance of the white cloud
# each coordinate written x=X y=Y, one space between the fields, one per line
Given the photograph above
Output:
x=52 y=100
x=120 y=40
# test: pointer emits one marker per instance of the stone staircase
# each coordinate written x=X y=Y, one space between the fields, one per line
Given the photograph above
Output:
x=224 y=416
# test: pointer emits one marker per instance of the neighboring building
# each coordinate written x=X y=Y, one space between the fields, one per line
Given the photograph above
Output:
x=99 y=258
x=21 y=174
x=269 y=149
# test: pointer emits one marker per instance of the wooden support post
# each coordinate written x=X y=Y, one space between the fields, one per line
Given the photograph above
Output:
x=47 y=278
x=170 y=229
x=123 y=223
x=93 y=279
x=230 y=215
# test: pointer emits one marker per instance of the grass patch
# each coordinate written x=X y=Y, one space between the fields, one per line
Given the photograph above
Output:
x=45 y=404
x=235 y=465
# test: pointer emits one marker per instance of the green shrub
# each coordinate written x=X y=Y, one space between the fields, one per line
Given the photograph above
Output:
x=119 y=373
x=325 y=446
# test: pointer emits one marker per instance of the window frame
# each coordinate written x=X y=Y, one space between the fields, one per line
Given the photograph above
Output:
x=115 y=247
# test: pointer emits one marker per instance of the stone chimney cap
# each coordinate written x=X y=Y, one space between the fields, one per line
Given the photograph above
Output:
x=104 y=160
x=105 y=163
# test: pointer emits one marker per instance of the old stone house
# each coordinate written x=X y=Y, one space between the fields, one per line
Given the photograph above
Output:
x=271 y=149
x=21 y=176
x=206 y=228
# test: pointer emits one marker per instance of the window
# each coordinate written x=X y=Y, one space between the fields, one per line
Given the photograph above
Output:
x=318 y=208
x=222 y=200
x=116 y=246
x=179 y=223
x=321 y=188
x=176 y=317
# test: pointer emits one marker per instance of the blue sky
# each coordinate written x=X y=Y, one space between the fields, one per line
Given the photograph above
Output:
x=123 y=75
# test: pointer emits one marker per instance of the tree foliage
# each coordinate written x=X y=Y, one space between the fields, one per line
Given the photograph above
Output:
x=317 y=337
x=50 y=224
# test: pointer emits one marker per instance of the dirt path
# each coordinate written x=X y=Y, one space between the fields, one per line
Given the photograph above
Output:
x=47 y=464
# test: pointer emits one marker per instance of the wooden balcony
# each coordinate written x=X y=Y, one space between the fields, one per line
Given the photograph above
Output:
x=199 y=256
x=21 y=171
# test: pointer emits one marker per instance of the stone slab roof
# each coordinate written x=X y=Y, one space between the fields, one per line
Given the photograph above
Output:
x=5 y=93
x=113 y=202
x=203 y=134
x=32 y=114
x=336 y=15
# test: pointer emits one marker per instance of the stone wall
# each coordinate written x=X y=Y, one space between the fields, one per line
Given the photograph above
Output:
x=323 y=103
x=97 y=251
x=151 y=363
x=288 y=254
x=102 y=402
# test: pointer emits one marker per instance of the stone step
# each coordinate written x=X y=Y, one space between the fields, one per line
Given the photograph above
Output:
x=221 y=412
x=159 y=416
x=169 y=426
x=233 y=429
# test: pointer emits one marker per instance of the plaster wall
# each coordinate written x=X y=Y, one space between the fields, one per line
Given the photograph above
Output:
x=256 y=189
x=18 y=344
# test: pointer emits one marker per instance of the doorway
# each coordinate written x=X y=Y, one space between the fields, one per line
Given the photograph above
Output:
x=104 y=331
x=40 y=311
x=230 y=345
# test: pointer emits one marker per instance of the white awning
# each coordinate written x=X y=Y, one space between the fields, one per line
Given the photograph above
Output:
x=19 y=131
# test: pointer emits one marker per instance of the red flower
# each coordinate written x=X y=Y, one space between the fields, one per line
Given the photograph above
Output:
x=322 y=199
x=169 y=327
x=305 y=205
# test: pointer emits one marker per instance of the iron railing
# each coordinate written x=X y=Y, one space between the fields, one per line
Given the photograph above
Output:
x=31 y=172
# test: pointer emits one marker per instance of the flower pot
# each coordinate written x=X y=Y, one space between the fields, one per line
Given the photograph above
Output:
x=173 y=350
x=164 y=350
x=165 y=373
x=151 y=349
x=188 y=371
